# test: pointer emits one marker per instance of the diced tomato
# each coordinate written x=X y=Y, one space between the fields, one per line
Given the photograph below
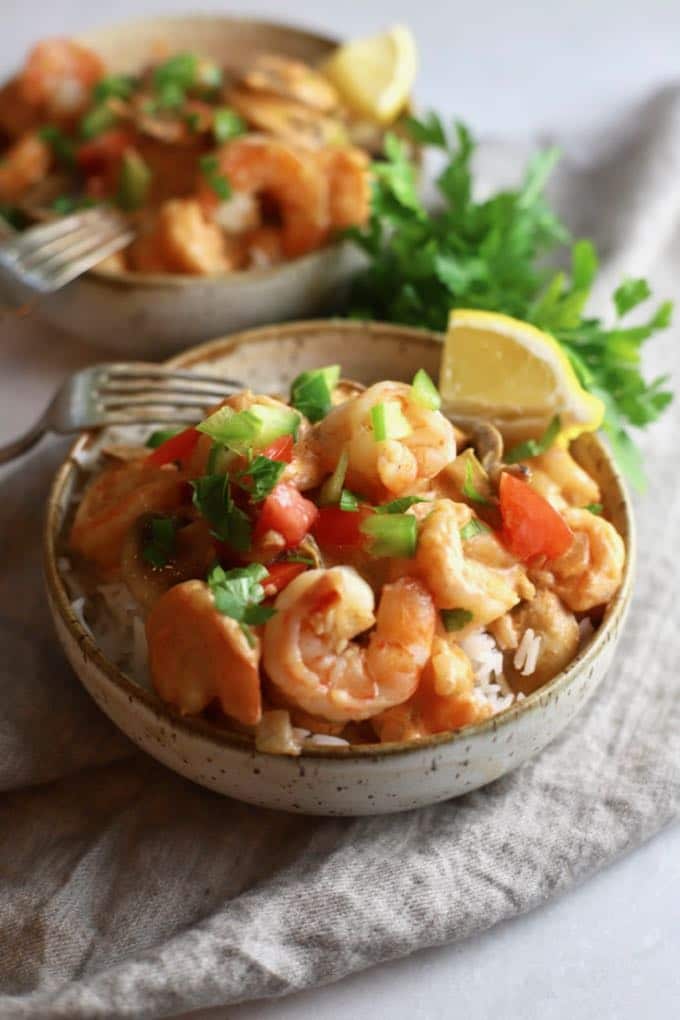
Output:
x=280 y=576
x=340 y=528
x=531 y=526
x=287 y=511
x=281 y=449
x=102 y=152
x=177 y=448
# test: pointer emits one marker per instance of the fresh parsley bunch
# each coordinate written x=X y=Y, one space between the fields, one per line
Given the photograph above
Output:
x=491 y=255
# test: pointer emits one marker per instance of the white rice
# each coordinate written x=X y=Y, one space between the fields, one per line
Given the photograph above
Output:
x=527 y=652
x=326 y=740
x=487 y=665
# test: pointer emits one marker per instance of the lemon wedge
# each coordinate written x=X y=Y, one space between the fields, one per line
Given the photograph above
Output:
x=375 y=76
x=514 y=375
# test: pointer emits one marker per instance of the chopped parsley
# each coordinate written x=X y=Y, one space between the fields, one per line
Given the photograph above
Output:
x=311 y=392
x=595 y=508
x=470 y=490
x=159 y=547
x=238 y=594
x=227 y=124
x=62 y=146
x=114 y=86
x=161 y=436
x=228 y=523
x=398 y=506
x=534 y=447
x=260 y=476
x=210 y=168
x=455 y=619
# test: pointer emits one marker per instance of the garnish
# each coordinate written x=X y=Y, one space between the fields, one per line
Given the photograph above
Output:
x=173 y=78
x=455 y=619
x=228 y=523
x=398 y=506
x=473 y=527
x=62 y=146
x=425 y=392
x=389 y=421
x=331 y=489
x=210 y=168
x=348 y=501
x=238 y=594
x=255 y=428
x=134 y=181
x=63 y=205
x=311 y=391
x=193 y=121
x=595 y=508
x=391 y=534
x=259 y=477
x=470 y=490
x=491 y=255
x=114 y=86
x=161 y=436
x=96 y=121
x=227 y=124
x=158 y=549
x=534 y=447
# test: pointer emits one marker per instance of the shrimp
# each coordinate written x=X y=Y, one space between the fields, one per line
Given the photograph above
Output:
x=558 y=631
x=291 y=79
x=349 y=185
x=310 y=657
x=453 y=574
x=391 y=467
x=258 y=165
x=114 y=501
x=589 y=573
x=192 y=556
x=24 y=164
x=17 y=117
x=575 y=485
x=182 y=240
x=264 y=246
x=58 y=77
x=197 y=655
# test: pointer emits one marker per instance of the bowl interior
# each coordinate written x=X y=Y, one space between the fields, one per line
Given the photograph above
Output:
x=267 y=360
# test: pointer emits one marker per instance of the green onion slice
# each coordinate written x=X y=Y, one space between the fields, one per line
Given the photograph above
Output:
x=389 y=422
x=227 y=124
x=425 y=392
x=455 y=619
x=472 y=528
x=331 y=490
x=348 y=501
x=534 y=447
x=253 y=429
x=391 y=534
x=311 y=391
x=161 y=436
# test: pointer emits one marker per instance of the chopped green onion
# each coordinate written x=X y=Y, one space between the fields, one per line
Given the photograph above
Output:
x=159 y=548
x=331 y=489
x=96 y=121
x=389 y=422
x=227 y=124
x=470 y=490
x=62 y=146
x=534 y=447
x=311 y=391
x=398 y=506
x=210 y=166
x=348 y=501
x=255 y=428
x=294 y=557
x=161 y=436
x=595 y=508
x=180 y=69
x=391 y=534
x=238 y=594
x=170 y=96
x=114 y=86
x=473 y=527
x=208 y=75
x=425 y=392
x=213 y=499
x=134 y=181
x=455 y=619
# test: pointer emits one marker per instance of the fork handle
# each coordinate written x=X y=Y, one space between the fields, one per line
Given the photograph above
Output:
x=18 y=446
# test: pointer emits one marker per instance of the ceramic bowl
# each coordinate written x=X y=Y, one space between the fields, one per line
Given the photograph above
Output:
x=337 y=781
x=151 y=316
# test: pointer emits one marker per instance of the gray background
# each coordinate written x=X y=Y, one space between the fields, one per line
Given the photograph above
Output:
x=610 y=948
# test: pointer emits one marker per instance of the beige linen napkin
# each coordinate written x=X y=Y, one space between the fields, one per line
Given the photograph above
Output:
x=128 y=892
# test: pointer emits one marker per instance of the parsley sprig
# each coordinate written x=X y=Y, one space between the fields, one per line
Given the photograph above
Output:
x=238 y=594
x=491 y=254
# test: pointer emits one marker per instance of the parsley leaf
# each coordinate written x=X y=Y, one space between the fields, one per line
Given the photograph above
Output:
x=212 y=497
x=62 y=146
x=534 y=447
x=595 y=508
x=238 y=594
x=260 y=476
x=158 y=549
x=210 y=168
x=455 y=619
x=470 y=490
x=398 y=506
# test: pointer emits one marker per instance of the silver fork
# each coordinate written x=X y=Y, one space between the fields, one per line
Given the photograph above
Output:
x=124 y=393
x=47 y=257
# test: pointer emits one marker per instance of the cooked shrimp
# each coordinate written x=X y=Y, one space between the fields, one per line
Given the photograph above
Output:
x=292 y=79
x=349 y=185
x=17 y=117
x=264 y=246
x=258 y=165
x=58 y=76
x=455 y=578
x=114 y=501
x=23 y=165
x=197 y=655
x=575 y=485
x=557 y=629
x=309 y=654
x=589 y=573
x=182 y=240
x=390 y=467
x=192 y=557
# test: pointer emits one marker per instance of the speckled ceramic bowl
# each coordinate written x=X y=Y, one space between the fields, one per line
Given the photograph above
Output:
x=142 y=315
x=360 y=780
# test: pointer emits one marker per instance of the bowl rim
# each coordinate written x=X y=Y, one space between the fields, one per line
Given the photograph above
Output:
x=223 y=738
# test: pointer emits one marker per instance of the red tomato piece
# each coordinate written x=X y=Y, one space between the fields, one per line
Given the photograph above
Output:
x=177 y=448
x=287 y=511
x=340 y=528
x=281 y=449
x=103 y=151
x=280 y=576
x=531 y=526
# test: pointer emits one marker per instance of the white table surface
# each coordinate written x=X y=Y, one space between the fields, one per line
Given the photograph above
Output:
x=608 y=949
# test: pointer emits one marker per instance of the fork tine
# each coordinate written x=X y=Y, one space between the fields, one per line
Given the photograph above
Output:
x=133 y=371
x=61 y=269
x=118 y=404
x=38 y=236
x=65 y=248
x=124 y=391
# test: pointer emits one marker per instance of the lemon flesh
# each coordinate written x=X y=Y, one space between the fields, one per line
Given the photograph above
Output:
x=375 y=76
x=512 y=374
